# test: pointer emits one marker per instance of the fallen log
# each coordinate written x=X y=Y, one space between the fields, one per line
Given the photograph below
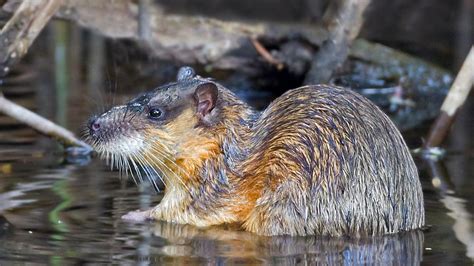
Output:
x=184 y=38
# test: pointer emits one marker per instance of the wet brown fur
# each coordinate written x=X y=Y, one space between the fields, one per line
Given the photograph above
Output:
x=319 y=160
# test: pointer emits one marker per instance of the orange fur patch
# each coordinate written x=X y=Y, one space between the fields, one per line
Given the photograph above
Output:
x=184 y=148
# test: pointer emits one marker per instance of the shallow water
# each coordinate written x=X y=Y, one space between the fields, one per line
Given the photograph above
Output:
x=57 y=212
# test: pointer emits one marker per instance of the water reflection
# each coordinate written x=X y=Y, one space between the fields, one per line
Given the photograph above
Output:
x=227 y=244
x=456 y=206
x=71 y=214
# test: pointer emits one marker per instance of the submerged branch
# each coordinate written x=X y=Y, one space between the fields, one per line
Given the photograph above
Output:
x=40 y=124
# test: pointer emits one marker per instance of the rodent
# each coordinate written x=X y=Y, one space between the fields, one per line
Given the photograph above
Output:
x=319 y=160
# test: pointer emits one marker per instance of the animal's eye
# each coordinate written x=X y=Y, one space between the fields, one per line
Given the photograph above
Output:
x=155 y=113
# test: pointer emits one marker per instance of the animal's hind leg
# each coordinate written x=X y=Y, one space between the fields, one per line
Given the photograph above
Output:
x=279 y=212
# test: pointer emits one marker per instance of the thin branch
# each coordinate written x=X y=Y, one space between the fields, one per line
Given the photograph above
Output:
x=266 y=54
x=40 y=124
x=144 y=25
x=454 y=100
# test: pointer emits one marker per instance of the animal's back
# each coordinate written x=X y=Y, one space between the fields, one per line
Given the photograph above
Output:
x=333 y=164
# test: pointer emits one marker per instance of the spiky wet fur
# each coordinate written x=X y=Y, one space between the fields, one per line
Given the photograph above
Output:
x=319 y=160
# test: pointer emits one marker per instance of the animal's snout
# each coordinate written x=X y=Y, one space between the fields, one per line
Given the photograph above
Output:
x=112 y=124
x=94 y=125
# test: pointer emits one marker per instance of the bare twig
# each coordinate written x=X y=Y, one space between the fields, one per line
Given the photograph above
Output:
x=265 y=54
x=21 y=30
x=345 y=20
x=457 y=95
x=40 y=124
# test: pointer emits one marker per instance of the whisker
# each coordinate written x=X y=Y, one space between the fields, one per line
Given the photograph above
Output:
x=128 y=169
x=142 y=163
x=170 y=160
x=153 y=169
x=156 y=159
x=158 y=162
x=137 y=170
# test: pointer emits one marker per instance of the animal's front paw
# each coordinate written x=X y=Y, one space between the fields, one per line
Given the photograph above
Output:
x=138 y=216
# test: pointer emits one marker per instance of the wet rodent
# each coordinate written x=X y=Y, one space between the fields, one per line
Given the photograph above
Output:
x=318 y=160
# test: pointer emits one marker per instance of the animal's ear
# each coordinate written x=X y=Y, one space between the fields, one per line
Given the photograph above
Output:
x=206 y=97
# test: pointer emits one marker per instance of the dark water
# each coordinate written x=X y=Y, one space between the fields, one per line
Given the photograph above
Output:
x=56 y=212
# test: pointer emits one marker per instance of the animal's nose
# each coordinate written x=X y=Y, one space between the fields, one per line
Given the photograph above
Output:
x=94 y=125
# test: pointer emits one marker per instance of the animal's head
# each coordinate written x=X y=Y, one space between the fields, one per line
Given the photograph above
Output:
x=157 y=125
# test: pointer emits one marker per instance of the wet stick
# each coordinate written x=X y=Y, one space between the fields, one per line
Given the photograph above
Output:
x=40 y=123
x=454 y=100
